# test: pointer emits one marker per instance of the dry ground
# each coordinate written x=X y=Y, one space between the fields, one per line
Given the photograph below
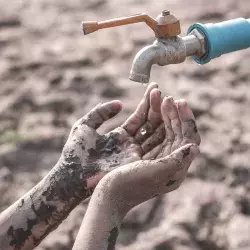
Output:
x=50 y=75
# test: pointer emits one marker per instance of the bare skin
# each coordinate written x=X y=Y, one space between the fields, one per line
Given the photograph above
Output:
x=126 y=187
x=86 y=158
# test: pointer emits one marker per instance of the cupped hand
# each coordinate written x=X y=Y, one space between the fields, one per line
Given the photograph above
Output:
x=165 y=158
x=99 y=154
x=166 y=166
x=179 y=126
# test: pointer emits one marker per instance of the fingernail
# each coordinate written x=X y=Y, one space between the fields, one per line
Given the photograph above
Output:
x=116 y=105
x=170 y=99
x=182 y=102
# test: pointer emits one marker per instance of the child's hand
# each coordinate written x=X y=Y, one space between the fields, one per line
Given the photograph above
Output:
x=167 y=167
x=128 y=186
x=136 y=138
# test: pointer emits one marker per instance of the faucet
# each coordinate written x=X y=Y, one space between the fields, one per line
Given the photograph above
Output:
x=171 y=50
x=203 y=42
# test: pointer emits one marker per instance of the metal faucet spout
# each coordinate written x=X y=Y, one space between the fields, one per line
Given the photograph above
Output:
x=143 y=62
x=163 y=52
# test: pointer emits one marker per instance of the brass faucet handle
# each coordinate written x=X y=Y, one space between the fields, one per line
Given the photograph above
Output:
x=89 y=27
x=164 y=26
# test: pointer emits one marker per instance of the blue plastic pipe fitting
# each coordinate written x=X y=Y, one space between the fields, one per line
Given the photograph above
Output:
x=222 y=38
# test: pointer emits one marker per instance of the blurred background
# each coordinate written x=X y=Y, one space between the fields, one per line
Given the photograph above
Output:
x=51 y=75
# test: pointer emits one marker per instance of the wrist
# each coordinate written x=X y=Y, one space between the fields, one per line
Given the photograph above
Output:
x=102 y=210
x=77 y=177
x=109 y=194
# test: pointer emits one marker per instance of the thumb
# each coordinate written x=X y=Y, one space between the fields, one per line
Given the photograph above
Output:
x=181 y=158
x=185 y=153
x=101 y=113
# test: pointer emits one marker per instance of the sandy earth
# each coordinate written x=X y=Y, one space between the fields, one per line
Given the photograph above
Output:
x=50 y=75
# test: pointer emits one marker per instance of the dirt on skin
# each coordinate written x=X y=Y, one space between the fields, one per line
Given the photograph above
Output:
x=51 y=75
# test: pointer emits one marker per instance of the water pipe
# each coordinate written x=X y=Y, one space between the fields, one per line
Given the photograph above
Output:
x=203 y=42
x=222 y=38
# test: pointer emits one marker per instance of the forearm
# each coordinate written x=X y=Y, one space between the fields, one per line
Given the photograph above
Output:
x=102 y=221
x=31 y=218
x=126 y=187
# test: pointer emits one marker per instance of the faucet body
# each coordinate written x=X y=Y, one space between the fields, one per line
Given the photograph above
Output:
x=203 y=41
x=165 y=51
x=161 y=52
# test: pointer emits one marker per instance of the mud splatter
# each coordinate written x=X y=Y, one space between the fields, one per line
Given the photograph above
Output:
x=170 y=183
x=43 y=212
x=112 y=238
x=19 y=235
x=105 y=146
x=186 y=152
x=66 y=184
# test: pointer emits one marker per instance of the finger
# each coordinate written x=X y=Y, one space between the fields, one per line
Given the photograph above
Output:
x=181 y=158
x=154 y=140
x=178 y=177
x=135 y=121
x=154 y=113
x=169 y=139
x=154 y=117
x=188 y=124
x=101 y=113
x=172 y=112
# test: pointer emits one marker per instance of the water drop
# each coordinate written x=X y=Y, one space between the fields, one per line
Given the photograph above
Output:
x=143 y=131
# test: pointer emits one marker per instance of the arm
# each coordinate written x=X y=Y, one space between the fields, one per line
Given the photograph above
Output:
x=86 y=158
x=126 y=187
x=30 y=219
x=137 y=182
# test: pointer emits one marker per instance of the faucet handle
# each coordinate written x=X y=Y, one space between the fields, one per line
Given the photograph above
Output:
x=166 y=25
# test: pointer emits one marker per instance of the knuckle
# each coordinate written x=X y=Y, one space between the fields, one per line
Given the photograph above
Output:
x=169 y=141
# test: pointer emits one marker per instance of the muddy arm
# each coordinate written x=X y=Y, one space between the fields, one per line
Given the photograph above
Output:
x=31 y=218
x=126 y=187
x=86 y=158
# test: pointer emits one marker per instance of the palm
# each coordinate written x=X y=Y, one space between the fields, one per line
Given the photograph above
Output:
x=152 y=131
x=179 y=126
x=124 y=144
x=114 y=149
x=163 y=168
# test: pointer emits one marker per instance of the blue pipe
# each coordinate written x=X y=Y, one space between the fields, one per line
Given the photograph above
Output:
x=222 y=38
